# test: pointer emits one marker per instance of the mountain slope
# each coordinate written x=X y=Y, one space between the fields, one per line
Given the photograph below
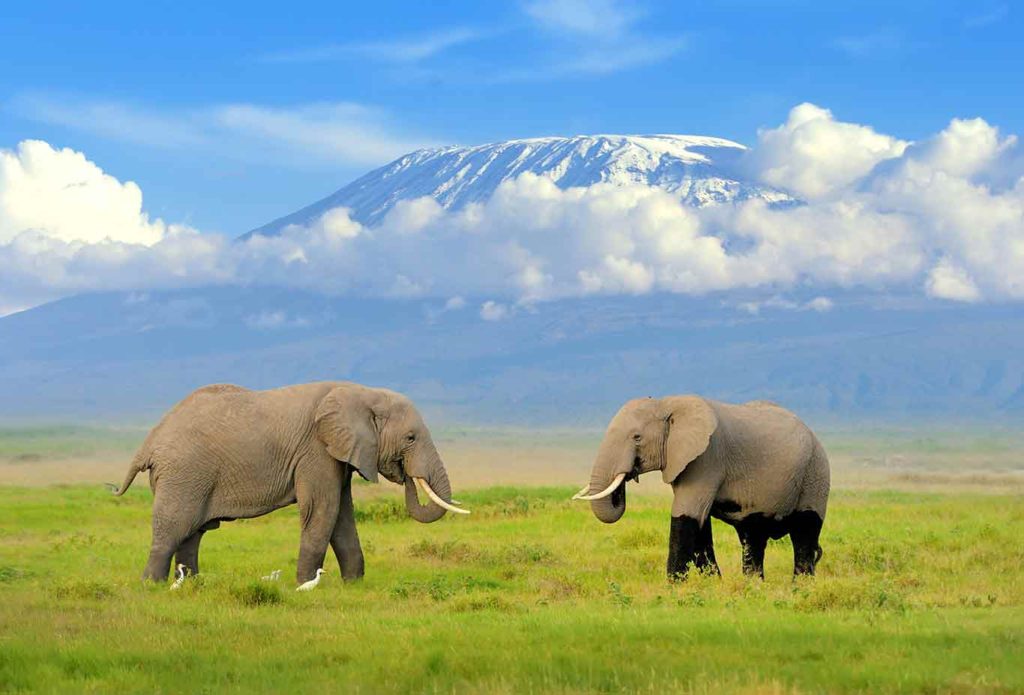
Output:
x=568 y=362
x=700 y=170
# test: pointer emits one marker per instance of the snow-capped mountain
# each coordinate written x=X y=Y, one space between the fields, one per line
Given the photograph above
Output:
x=700 y=170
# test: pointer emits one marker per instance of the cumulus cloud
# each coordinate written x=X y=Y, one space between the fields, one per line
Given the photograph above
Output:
x=493 y=311
x=943 y=217
x=812 y=154
x=947 y=281
x=69 y=198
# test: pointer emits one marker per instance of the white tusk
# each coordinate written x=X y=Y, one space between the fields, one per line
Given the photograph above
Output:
x=437 y=500
x=581 y=492
x=607 y=491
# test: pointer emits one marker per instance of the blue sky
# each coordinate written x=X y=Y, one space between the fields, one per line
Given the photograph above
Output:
x=219 y=113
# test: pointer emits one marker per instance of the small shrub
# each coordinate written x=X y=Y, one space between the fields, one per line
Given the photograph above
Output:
x=562 y=588
x=10 y=574
x=439 y=589
x=258 y=594
x=527 y=553
x=448 y=550
x=639 y=538
x=619 y=597
x=490 y=602
x=85 y=590
x=381 y=511
x=519 y=506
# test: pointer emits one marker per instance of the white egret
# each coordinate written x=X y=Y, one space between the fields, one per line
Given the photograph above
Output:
x=311 y=584
x=272 y=577
x=179 y=574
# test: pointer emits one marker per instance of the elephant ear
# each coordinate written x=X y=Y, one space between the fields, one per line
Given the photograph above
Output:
x=344 y=423
x=691 y=422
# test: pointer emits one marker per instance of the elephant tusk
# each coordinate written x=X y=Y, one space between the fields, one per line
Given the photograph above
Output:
x=581 y=492
x=607 y=491
x=436 y=499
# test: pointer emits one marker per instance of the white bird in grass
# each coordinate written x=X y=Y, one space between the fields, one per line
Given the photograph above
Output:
x=179 y=574
x=272 y=577
x=311 y=584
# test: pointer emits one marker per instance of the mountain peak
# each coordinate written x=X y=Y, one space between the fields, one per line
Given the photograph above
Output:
x=700 y=170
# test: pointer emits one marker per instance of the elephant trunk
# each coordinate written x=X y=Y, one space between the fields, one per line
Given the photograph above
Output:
x=424 y=513
x=437 y=479
x=611 y=508
x=612 y=462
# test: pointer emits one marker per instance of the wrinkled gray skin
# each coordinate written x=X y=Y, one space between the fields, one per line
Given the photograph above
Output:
x=226 y=452
x=741 y=463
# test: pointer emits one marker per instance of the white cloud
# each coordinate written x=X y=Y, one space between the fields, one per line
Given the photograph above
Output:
x=335 y=132
x=812 y=154
x=946 y=281
x=592 y=38
x=318 y=133
x=454 y=303
x=818 y=304
x=275 y=320
x=409 y=49
x=943 y=217
x=493 y=311
x=880 y=43
x=988 y=17
x=64 y=196
x=590 y=18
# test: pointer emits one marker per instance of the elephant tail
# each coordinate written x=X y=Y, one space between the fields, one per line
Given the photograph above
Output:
x=140 y=463
x=818 y=552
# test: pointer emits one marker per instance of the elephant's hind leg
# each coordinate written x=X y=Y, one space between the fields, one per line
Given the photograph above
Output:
x=188 y=552
x=753 y=539
x=171 y=528
x=805 y=529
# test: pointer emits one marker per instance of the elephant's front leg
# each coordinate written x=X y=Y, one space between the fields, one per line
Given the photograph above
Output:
x=690 y=539
x=682 y=546
x=345 y=540
x=318 y=492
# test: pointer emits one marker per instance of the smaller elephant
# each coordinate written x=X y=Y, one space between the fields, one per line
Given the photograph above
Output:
x=226 y=452
x=755 y=466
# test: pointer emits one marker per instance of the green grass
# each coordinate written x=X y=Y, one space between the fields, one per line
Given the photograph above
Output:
x=915 y=593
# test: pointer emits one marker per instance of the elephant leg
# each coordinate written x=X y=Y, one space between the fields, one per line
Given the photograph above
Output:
x=804 y=530
x=345 y=539
x=704 y=552
x=318 y=492
x=753 y=539
x=188 y=552
x=171 y=526
x=682 y=546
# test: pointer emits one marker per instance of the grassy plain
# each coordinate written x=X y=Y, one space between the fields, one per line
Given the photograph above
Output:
x=920 y=588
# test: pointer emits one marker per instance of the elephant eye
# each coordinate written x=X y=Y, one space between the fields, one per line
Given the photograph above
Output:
x=410 y=437
x=636 y=437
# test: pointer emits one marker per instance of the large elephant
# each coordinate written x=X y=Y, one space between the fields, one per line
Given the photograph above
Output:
x=226 y=452
x=755 y=466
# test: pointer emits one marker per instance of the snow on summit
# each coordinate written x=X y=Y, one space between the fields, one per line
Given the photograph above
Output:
x=700 y=170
